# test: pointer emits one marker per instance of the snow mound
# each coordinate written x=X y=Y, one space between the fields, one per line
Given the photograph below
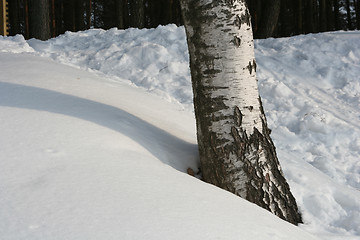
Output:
x=15 y=44
x=156 y=59
x=311 y=92
x=311 y=89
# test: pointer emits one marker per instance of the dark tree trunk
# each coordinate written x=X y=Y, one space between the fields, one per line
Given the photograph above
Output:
x=357 y=11
x=88 y=13
x=79 y=15
x=176 y=13
x=119 y=14
x=27 y=27
x=269 y=19
x=12 y=20
x=107 y=11
x=168 y=11
x=59 y=26
x=322 y=16
x=309 y=16
x=69 y=15
x=336 y=15
x=53 y=19
x=348 y=15
x=96 y=14
x=153 y=12
x=236 y=151
x=14 y=17
x=255 y=10
x=137 y=18
x=330 y=16
x=316 y=15
x=40 y=19
x=299 y=17
x=286 y=19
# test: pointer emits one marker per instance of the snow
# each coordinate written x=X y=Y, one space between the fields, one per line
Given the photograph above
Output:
x=150 y=58
x=97 y=131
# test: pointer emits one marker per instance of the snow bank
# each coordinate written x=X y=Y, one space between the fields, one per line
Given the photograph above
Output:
x=16 y=44
x=156 y=59
x=311 y=92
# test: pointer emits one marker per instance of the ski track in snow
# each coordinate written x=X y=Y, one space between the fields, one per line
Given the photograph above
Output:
x=309 y=85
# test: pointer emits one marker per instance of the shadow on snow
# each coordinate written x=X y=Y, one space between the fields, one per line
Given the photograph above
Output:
x=167 y=148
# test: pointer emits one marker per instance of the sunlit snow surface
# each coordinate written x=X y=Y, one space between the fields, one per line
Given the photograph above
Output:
x=99 y=152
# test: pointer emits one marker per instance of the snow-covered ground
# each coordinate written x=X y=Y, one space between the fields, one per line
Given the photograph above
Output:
x=97 y=131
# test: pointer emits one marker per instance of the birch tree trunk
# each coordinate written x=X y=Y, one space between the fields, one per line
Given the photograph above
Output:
x=236 y=151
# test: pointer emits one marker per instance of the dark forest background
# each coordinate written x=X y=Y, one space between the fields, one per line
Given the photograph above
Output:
x=44 y=19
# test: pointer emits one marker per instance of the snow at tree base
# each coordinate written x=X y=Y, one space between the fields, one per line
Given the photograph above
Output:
x=97 y=131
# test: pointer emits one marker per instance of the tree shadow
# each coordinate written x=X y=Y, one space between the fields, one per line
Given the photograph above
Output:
x=169 y=149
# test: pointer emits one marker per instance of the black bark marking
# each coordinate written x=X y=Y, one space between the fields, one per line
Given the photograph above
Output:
x=230 y=2
x=263 y=188
x=226 y=11
x=240 y=142
x=245 y=18
x=238 y=21
x=238 y=116
x=249 y=67
x=213 y=144
x=267 y=177
x=226 y=30
x=211 y=71
x=235 y=134
x=237 y=41
x=250 y=108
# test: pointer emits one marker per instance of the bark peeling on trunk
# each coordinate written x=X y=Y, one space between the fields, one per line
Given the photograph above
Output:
x=236 y=151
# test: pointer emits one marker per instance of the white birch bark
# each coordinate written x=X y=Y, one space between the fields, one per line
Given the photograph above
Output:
x=236 y=152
